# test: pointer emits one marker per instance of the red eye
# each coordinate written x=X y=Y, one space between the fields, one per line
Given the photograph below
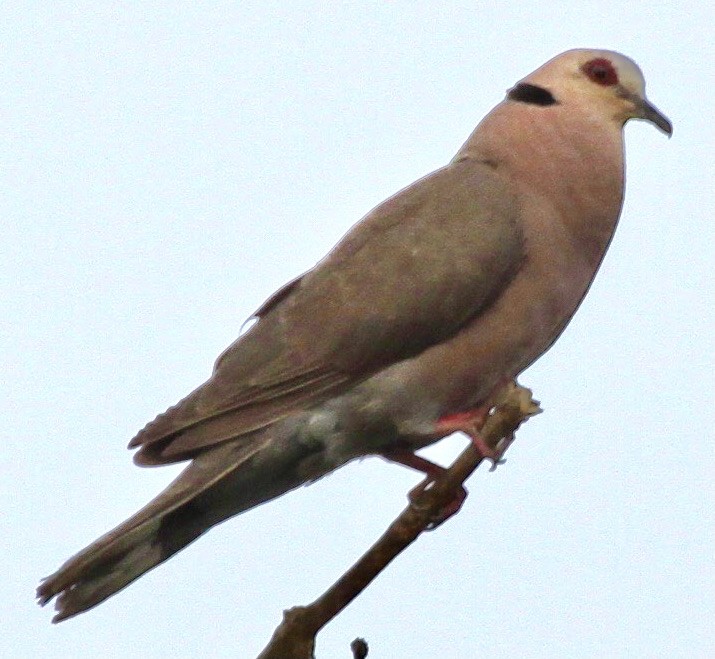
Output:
x=601 y=71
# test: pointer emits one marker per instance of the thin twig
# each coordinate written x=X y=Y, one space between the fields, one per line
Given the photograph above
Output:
x=295 y=636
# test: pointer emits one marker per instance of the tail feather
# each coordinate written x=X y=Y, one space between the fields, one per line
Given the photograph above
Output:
x=219 y=483
x=166 y=525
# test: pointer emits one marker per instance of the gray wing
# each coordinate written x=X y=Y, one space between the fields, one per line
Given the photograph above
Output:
x=409 y=275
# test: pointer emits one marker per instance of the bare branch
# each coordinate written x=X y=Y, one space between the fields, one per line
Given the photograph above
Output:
x=295 y=636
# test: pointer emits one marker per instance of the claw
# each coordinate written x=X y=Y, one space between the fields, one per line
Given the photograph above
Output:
x=452 y=508
x=432 y=471
x=497 y=463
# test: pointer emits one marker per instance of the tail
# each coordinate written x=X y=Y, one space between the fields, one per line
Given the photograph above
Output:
x=218 y=484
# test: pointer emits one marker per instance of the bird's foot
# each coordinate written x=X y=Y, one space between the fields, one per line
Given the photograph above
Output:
x=451 y=508
x=470 y=423
x=432 y=472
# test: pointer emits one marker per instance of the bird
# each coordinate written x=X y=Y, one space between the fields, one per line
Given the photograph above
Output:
x=403 y=333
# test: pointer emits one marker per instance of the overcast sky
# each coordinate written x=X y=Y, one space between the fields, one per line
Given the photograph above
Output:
x=165 y=166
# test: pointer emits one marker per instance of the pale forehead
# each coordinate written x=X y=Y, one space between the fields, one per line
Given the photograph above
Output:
x=569 y=64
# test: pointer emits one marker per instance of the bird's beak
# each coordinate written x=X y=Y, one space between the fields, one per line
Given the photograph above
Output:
x=644 y=110
x=653 y=115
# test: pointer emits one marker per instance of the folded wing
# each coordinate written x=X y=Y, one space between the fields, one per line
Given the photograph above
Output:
x=411 y=274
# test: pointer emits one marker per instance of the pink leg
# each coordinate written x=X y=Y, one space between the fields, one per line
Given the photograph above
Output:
x=470 y=423
x=413 y=461
x=432 y=471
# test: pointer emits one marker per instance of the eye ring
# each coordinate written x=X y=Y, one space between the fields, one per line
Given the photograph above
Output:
x=601 y=71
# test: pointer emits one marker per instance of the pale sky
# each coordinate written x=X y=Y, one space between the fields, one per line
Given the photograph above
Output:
x=166 y=166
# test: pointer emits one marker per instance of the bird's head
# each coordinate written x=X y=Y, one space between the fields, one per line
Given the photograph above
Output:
x=606 y=81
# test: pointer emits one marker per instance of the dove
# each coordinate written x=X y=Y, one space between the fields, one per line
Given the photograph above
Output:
x=405 y=331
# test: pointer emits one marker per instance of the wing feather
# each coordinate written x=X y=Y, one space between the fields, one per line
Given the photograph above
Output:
x=411 y=274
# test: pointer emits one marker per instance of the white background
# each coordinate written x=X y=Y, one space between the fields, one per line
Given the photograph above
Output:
x=165 y=166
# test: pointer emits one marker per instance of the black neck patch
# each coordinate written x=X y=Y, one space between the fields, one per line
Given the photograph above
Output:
x=526 y=93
